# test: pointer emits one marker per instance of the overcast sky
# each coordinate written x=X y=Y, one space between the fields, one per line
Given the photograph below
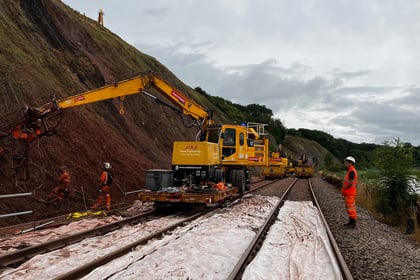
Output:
x=349 y=68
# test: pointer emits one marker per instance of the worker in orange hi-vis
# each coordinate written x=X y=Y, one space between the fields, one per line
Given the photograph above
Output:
x=349 y=191
x=27 y=132
x=105 y=187
x=101 y=17
x=63 y=187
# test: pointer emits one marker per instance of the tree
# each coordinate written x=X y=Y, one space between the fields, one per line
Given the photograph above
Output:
x=329 y=163
x=395 y=193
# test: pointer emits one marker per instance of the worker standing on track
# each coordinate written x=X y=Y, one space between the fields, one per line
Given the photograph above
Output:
x=63 y=187
x=104 y=189
x=349 y=191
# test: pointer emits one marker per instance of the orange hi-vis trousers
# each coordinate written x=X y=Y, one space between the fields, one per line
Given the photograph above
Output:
x=103 y=194
x=351 y=206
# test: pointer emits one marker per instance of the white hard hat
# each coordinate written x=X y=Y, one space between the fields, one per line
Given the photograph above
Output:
x=350 y=159
x=107 y=165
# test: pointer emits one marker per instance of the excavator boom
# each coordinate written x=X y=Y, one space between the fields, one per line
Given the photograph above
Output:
x=137 y=85
x=119 y=90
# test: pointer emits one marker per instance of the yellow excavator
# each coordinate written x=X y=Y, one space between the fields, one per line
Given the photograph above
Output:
x=277 y=165
x=220 y=154
x=34 y=125
x=305 y=166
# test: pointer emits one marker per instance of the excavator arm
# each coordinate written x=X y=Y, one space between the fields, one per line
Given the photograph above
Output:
x=137 y=85
x=35 y=116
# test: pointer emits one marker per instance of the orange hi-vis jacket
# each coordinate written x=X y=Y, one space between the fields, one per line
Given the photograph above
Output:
x=105 y=183
x=350 y=186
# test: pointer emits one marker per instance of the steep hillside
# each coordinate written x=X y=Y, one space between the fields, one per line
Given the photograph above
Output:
x=47 y=49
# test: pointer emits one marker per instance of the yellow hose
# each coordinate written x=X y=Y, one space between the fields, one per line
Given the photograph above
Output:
x=77 y=215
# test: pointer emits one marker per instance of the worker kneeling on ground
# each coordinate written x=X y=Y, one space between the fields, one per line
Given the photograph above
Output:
x=104 y=189
x=63 y=188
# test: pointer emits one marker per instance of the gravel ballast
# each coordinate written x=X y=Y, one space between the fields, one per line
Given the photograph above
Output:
x=372 y=250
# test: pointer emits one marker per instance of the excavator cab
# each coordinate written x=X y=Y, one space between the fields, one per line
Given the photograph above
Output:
x=228 y=139
x=243 y=145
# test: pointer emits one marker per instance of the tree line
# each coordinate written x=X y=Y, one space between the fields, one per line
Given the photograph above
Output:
x=394 y=191
x=338 y=147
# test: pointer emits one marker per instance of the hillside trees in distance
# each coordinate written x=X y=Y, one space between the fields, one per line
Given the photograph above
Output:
x=338 y=147
x=249 y=113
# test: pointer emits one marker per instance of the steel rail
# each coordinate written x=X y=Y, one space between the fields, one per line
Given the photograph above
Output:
x=27 y=253
x=88 y=267
x=247 y=256
x=260 y=184
x=342 y=263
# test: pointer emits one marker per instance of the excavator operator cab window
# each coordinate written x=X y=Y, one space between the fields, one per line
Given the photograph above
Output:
x=229 y=142
x=229 y=138
x=241 y=139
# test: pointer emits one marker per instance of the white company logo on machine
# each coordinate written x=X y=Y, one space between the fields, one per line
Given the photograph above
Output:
x=190 y=150
x=178 y=96
x=253 y=159
x=75 y=99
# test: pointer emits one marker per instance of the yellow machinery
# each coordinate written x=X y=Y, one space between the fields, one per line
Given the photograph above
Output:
x=304 y=167
x=277 y=166
x=223 y=153
x=34 y=124
x=291 y=169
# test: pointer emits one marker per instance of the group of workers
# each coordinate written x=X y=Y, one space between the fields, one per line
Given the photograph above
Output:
x=62 y=190
x=348 y=190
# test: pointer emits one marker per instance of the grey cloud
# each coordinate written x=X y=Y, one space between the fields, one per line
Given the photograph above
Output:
x=339 y=73
x=347 y=67
x=382 y=120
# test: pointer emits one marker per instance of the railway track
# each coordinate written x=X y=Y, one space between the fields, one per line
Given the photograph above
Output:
x=19 y=256
x=299 y=189
x=15 y=258
x=81 y=270
x=89 y=266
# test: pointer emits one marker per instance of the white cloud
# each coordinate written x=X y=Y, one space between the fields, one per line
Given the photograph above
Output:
x=348 y=68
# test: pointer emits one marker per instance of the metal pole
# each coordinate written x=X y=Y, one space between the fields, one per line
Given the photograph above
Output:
x=16 y=214
x=84 y=199
x=14 y=195
x=35 y=227
x=137 y=191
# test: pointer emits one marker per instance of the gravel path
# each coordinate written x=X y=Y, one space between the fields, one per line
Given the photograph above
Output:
x=373 y=250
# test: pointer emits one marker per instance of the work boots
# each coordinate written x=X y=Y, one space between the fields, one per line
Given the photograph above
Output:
x=350 y=224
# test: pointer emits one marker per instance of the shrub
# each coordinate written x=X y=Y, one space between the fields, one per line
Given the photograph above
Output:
x=395 y=190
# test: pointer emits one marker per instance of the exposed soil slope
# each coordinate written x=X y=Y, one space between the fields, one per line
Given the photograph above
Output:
x=47 y=49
